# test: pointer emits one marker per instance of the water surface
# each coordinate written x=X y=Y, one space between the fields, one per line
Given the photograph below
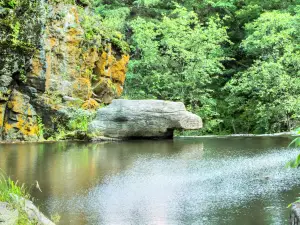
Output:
x=209 y=181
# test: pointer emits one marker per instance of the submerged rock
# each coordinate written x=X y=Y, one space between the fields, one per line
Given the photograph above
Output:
x=143 y=119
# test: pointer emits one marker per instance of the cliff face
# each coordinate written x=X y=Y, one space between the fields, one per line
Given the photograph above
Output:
x=51 y=61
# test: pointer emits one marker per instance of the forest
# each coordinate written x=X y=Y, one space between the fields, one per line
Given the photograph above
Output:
x=72 y=131
x=235 y=63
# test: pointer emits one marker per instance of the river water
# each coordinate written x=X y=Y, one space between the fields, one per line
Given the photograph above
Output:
x=201 y=181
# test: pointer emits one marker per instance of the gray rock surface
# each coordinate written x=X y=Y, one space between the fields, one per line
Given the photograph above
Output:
x=295 y=214
x=8 y=216
x=35 y=215
x=142 y=119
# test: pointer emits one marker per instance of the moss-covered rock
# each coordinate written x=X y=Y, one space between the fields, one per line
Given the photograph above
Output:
x=20 y=120
x=50 y=52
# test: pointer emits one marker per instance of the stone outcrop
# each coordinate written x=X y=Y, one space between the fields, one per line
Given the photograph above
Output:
x=10 y=216
x=142 y=119
x=34 y=214
x=49 y=61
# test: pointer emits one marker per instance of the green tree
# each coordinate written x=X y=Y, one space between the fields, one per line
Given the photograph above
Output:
x=266 y=96
x=177 y=59
x=249 y=85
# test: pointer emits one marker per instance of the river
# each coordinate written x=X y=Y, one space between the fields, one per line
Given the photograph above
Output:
x=201 y=181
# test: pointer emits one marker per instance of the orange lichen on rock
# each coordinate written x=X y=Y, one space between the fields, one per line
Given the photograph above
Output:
x=119 y=69
x=28 y=126
x=37 y=67
x=102 y=66
x=20 y=120
x=7 y=127
x=52 y=42
x=82 y=88
x=119 y=89
x=89 y=59
x=109 y=66
x=74 y=11
x=74 y=36
x=105 y=90
x=2 y=114
x=19 y=103
x=25 y=125
x=90 y=104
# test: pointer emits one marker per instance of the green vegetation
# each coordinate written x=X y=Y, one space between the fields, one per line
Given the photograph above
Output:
x=41 y=128
x=235 y=63
x=296 y=162
x=12 y=14
x=75 y=128
x=98 y=32
x=15 y=195
x=296 y=143
x=9 y=188
x=9 y=191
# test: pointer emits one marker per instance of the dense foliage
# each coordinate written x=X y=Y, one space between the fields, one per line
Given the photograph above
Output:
x=233 y=62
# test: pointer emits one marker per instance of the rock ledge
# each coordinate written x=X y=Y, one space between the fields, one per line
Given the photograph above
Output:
x=143 y=119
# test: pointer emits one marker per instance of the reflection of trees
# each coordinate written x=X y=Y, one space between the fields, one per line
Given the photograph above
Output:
x=64 y=169
x=19 y=160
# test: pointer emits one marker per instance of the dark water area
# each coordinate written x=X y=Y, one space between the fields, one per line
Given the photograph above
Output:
x=209 y=181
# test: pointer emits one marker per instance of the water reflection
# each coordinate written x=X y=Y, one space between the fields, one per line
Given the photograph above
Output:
x=65 y=169
x=196 y=181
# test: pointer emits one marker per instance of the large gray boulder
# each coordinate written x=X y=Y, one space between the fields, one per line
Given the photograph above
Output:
x=142 y=119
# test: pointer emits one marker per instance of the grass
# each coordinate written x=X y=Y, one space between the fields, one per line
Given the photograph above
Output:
x=9 y=192
x=9 y=188
x=15 y=195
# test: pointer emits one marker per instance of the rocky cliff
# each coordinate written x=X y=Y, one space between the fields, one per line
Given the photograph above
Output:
x=54 y=56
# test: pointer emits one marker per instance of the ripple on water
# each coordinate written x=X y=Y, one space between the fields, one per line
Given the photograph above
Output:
x=174 y=190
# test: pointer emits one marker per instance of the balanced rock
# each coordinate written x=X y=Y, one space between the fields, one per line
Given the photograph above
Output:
x=142 y=119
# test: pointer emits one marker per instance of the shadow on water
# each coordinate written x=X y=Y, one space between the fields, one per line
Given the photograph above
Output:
x=210 y=181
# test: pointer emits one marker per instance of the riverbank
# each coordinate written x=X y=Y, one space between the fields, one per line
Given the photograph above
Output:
x=15 y=206
x=282 y=134
x=107 y=139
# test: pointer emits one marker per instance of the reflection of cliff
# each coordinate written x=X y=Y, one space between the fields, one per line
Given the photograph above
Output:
x=65 y=168
x=19 y=161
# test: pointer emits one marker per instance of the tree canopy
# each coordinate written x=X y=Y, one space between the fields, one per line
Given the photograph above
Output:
x=233 y=62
